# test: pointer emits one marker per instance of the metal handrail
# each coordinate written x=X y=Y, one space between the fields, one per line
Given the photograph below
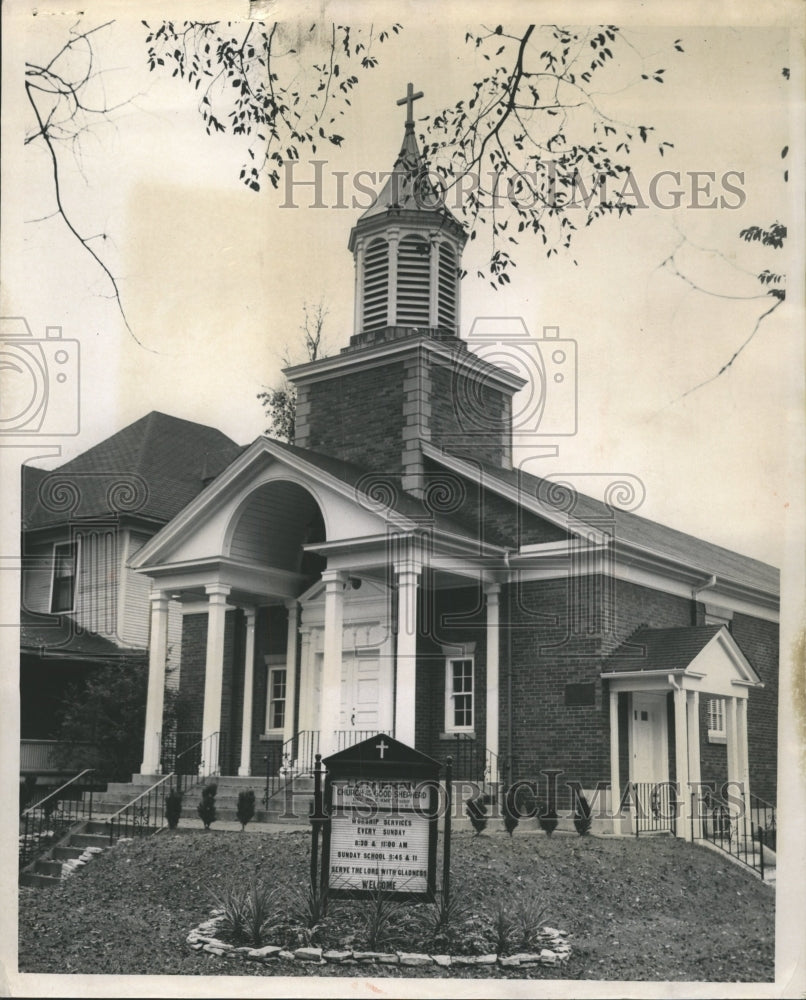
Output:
x=44 y=823
x=40 y=804
x=140 y=821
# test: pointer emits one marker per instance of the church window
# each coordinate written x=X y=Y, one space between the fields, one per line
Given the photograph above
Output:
x=413 y=282
x=275 y=706
x=716 y=720
x=459 y=695
x=65 y=574
x=376 y=284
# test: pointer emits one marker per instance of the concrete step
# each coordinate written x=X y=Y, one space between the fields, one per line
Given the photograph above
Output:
x=45 y=866
x=89 y=840
x=65 y=853
x=39 y=881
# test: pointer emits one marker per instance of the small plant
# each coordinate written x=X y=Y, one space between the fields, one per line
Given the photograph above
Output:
x=547 y=818
x=309 y=907
x=503 y=926
x=582 y=816
x=379 y=915
x=246 y=807
x=477 y=813
x=446 y=914
x=511 y=813
x=206 y=808
x=247 y=912
x=526 y=919
x=173 y=808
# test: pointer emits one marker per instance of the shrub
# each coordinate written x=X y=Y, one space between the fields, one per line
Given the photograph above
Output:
x=173 y=808
x=477 y=813
x=547 y=818
x=511 y=813
x=379 y=915
x=582 y=816
x=246 y=807
x=248 y=912
x=206 y=808
x=308 y=907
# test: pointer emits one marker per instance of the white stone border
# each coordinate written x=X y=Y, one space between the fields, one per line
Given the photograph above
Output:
x=556 y=952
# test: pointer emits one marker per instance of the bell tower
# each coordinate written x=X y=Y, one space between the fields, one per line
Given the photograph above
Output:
x=406 y=379
x=407 y=249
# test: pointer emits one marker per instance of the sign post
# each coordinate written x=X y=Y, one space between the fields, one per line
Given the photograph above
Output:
x=382 y=806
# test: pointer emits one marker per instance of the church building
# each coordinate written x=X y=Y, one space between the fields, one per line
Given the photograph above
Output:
x=391 y=572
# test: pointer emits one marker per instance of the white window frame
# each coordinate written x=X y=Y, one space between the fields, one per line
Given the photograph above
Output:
x=72 y=543
x=450 y=714
x=273 y=664
x=719 y=733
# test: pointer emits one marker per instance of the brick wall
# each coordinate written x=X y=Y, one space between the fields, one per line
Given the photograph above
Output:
x=271 y=627
x=357 y=417
x=759 y=643
x=470 y=418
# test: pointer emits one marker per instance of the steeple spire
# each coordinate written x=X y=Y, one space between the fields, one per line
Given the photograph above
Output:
x=409 y=100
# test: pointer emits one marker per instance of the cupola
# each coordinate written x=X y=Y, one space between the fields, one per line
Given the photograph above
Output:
x=407 y=249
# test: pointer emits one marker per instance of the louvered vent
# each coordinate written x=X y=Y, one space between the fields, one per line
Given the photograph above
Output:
x=413 y=274
x=447 y=286
x=376 y=284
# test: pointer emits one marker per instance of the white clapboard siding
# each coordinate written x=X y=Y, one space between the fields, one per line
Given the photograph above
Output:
x=136 y=612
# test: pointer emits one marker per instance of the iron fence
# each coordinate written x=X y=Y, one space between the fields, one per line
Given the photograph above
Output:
x=44 y=824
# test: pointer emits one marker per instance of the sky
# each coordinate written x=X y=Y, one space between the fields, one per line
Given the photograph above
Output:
x=213 y=277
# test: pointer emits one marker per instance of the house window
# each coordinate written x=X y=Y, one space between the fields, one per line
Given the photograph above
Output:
x=716 y=720
x=65 y=574
x=459 y=695
x=275 y=705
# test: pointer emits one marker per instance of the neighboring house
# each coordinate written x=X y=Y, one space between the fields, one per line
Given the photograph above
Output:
x=81 y=605
x=391 y=572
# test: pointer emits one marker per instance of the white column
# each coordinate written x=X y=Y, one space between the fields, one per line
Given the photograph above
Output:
x=615 y=780
x=157 y=652
x=330 y=693
x=681 y=761
x=694 y=768
x=306 y=665
x=492 y=592
x=213 y=676
x=290 y=671
x=245 y=768
x=741 y=746
x=408 y=574
x=734 y=764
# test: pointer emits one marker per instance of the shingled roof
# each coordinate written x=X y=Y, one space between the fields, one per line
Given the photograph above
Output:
x=661 y=649
x=61 y=636
x=631 y=529
x=152 y=469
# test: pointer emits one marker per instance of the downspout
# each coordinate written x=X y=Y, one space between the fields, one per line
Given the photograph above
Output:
x=696 y=591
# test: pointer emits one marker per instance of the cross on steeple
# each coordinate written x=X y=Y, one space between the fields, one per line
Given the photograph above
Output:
x=409 y=100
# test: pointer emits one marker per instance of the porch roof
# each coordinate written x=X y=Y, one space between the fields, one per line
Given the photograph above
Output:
x=61 y=636
x=701 y=652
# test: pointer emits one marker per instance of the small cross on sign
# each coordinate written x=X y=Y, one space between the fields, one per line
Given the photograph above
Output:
x=381 y=747
x=409 y=100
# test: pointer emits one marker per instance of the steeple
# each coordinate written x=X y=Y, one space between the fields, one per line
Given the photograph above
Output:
x=407 y=249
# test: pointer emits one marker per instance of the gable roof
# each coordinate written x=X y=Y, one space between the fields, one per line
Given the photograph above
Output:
x=629 y=529
x=162 y=461
x=61 y=636
x=663 y=649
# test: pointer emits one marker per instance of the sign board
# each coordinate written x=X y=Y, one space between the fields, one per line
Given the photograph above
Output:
x=381 y=803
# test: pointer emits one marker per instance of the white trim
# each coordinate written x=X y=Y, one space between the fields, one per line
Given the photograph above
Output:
x=379 y=355
x=718 y=734
x=275 y=731
x=450 y=726
x=76 y=568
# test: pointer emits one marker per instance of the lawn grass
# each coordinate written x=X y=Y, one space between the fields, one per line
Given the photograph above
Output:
x=649 y=909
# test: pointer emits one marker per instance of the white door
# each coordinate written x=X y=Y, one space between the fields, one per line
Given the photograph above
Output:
x=648 y=744
x=360 y=713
